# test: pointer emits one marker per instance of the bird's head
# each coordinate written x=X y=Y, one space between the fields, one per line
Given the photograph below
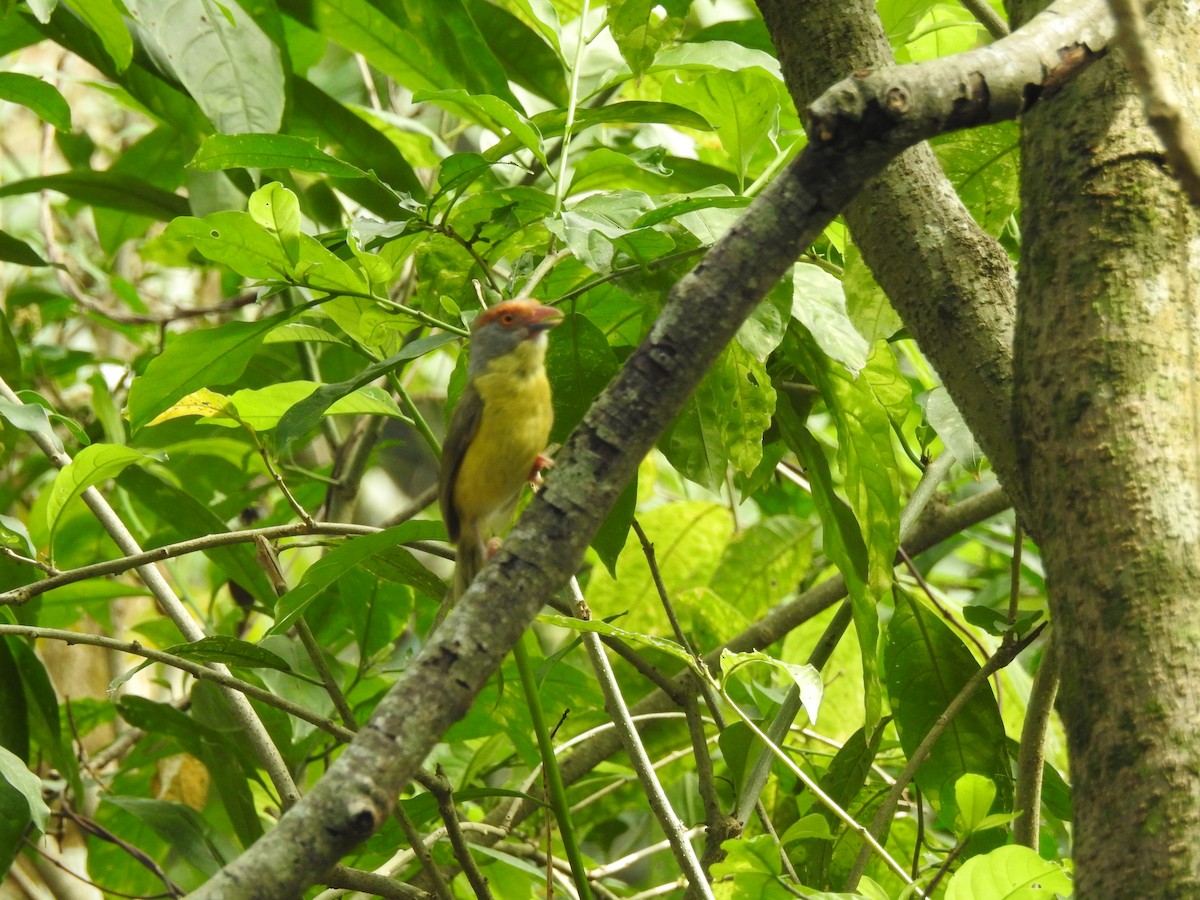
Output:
x=508 y=326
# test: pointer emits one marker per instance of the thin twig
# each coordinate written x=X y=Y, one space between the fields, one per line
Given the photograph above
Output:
x=300 y=511
x=195 y=669
x=373 y=884
x=29 y=561
x=27 y=592
x=1014 y=588
x=445 y=801
x=987 y=17
x=1031 y=756
x=614 y=703
x=97 y=830
x=944 y=868
x=424 y=858
x=544 y=268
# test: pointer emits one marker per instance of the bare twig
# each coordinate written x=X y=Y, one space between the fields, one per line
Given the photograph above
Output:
x=1031 y=756
x=987 y=17
x=445 y=801
x=27 y=592
x=195 y=669
x=685 y=855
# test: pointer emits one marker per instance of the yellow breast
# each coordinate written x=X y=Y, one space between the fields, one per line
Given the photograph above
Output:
x=513 y=429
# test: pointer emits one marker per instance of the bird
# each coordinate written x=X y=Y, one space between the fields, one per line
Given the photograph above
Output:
x=497 y=432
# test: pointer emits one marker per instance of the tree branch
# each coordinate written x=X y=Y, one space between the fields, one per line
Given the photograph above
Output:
x=545 y=548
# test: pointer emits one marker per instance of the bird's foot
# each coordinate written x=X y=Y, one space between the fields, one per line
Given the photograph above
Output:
x=540 y=462
x=491 y=547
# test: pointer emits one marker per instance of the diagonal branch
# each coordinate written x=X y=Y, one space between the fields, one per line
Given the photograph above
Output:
x=705 y=310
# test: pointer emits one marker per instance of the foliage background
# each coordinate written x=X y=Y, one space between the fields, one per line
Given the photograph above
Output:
x=209 y=210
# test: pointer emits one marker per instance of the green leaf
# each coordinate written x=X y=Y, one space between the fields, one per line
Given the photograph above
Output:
x=41 y=701
x=21 y=803
x=689 y=538
x=552 y=123
x=234 y=239
x=14 y=711
x=982 y=164
x=806 y=678
x=269 y=151
x=871 y=482
x=974 y=795
x=495 y=114
x=104 y=19
x=179 y=510
x=91 y=465
x=219 y=53
x=276 y=209
x=640 y=32
x=743 y=106
x=614 y=530
x=819 y=304
x=184 y=830
x=926 y=664
x=841 y=537
x=423 y=44
x=715 y=55
x=591 y=225
x=943 y=416
x=752 y=868
x=302 y=417
x=41 y=97
x=10 y=355
x=843 y=781
x=523 y=53
x=1009 y=873
x=746 y=387
x=329 y=568
x=723 y=422
x=764 y=563
x=715 y=198
x=397 y=565
x=580 y=364
x=231 y=651
x=866 y=304
x=263 y=408
x=211 y=356
x=30 y=417
x=108 y=189
x=315 y=114
x=596 y=626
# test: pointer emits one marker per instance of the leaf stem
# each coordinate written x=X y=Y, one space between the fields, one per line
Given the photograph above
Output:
x=560 y=183
x=558 y=792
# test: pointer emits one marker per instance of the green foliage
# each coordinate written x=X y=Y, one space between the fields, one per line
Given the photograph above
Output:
x=270 y=225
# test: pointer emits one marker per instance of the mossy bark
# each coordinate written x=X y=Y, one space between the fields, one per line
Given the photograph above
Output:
x=1107 y=432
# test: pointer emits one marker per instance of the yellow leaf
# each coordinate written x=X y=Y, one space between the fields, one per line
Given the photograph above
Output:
x=204 y=403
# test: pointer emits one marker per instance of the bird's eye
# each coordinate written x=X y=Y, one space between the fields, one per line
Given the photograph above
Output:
x=507 y=319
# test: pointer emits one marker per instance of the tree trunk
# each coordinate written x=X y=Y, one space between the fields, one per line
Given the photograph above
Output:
x=1107 y=408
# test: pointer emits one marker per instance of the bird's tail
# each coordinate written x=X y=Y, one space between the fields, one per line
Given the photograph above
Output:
x=469 y=558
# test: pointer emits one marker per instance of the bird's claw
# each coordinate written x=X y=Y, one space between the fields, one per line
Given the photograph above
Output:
x=540 y=462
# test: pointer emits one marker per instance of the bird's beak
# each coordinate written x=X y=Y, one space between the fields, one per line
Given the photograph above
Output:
x=544 y=318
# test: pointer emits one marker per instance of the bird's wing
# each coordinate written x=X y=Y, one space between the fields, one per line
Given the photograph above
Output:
x=463 y=426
